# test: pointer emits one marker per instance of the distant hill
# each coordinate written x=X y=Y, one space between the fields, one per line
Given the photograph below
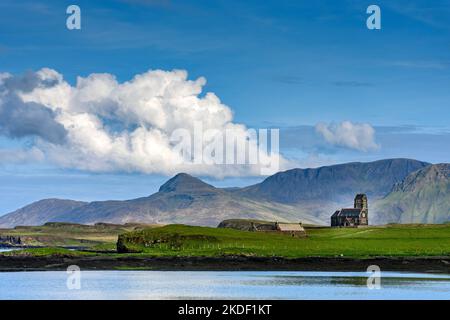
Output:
x=306 y=195
x=39 y=212
x=423 y=197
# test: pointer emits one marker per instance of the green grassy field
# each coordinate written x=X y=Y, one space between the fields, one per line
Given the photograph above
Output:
x=395 y=240
x=186 y=241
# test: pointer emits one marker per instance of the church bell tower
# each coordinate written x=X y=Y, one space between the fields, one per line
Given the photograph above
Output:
x=361 y=203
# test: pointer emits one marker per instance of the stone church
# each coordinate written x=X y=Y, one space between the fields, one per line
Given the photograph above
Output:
x=352 y=217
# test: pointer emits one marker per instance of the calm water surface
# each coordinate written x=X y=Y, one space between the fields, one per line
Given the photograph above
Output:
x=222 y=285
x=9 y=249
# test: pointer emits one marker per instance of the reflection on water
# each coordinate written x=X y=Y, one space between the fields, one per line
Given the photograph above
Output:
x=8 y=249
x=222 y=285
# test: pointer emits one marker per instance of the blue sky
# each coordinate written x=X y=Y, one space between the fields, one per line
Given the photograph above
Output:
x=284 y=64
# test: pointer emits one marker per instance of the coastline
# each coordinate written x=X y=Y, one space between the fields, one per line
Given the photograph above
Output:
x=225 y=263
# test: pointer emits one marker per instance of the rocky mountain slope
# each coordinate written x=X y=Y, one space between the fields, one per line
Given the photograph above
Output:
x=423 y=197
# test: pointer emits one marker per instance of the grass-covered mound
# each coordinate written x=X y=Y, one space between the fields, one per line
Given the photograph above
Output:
x=394 y=240
x=243 y=224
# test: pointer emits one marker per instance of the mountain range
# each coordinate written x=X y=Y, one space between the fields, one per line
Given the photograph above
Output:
x=399 y=190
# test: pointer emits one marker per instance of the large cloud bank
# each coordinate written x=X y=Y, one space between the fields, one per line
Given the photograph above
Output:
x=102 y=125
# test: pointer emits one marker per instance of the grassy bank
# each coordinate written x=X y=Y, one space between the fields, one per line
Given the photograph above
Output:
x=388 y=241
x=48 y=251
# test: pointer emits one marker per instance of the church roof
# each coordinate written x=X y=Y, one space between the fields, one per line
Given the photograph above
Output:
x=347 y=212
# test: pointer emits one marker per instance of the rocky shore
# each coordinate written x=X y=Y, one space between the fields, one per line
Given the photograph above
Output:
x=226 y=263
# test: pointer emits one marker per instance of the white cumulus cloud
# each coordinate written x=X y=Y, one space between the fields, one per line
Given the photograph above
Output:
x=358 y=136
x=100 y=124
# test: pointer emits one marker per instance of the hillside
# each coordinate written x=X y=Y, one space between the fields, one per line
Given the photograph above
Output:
x=423 y=197
x=39 y=212
x=334 y=183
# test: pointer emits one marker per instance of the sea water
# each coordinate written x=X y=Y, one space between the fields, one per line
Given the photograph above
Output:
x=221 y=285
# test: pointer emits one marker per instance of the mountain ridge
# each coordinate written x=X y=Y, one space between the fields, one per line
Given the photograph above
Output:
x=296 y=185
x=307 y=195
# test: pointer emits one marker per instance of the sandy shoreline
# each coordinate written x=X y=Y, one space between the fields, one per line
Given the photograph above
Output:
x=228 y=263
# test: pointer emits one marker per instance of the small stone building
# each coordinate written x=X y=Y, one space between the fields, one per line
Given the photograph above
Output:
x=352 y=217
x=294 y=229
